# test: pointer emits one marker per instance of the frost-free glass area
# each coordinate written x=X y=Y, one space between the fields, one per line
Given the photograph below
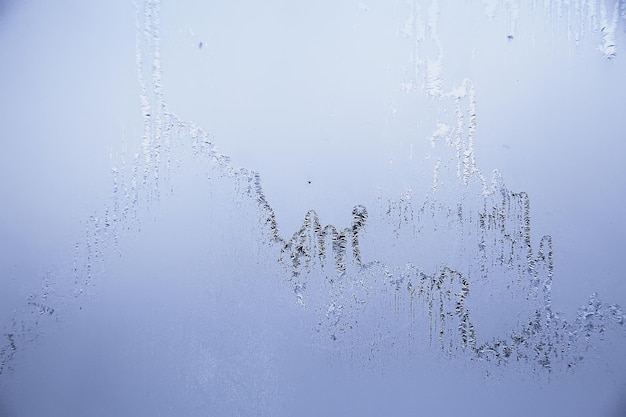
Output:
x=329 y=208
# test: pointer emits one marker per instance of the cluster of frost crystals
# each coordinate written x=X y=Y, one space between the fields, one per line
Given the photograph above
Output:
x=426 y=270
x=600 y=20
x=454 y=268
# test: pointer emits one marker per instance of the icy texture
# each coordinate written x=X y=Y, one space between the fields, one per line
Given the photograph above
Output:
x=424 y=271
x=582 y=17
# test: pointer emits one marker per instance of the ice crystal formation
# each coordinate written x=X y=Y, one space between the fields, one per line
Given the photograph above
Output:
x=422 y=270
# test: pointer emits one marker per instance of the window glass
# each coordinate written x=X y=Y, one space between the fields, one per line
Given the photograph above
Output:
x=325 y=208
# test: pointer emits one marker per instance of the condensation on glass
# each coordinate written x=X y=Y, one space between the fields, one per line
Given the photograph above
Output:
x=444 y=271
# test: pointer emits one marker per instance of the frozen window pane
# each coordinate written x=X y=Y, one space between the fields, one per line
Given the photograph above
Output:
x=372 y=208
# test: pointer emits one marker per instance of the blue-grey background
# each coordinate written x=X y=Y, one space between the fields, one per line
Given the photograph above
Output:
x=321 y=92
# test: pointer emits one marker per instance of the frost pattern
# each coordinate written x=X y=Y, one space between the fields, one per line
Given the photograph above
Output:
x=358 y=279
x=583 y=18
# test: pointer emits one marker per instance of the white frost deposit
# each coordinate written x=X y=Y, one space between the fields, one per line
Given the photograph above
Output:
x=432 y=293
